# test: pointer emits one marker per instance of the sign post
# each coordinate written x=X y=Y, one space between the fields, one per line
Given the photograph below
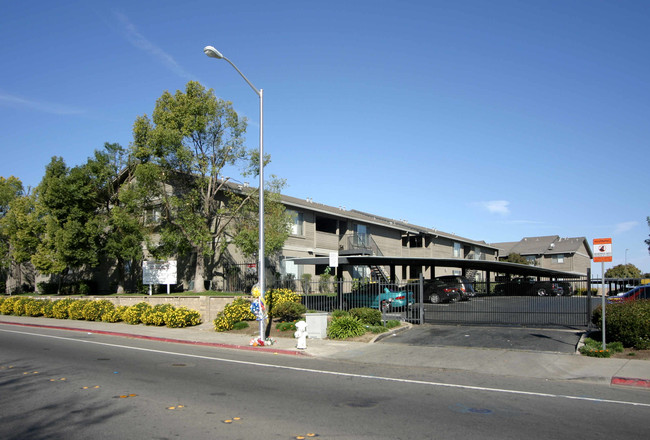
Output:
x=159 y=272
x=603 y=254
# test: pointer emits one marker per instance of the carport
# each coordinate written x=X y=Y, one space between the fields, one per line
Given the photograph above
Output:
x=489 y=267
x=486 y=308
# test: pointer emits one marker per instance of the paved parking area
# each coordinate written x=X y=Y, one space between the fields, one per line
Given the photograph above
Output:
x=513 y=338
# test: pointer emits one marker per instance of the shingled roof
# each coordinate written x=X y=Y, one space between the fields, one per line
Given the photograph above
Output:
x=545 y=245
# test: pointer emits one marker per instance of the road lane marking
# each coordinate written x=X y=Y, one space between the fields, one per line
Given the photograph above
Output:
x=340 y=374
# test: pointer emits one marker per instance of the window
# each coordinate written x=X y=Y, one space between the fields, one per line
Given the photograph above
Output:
x=292 y=270
x=456 y=250
x=152 y=215
x=297 y=222
x=558 y=259
x=324 y=224
x=531 y=259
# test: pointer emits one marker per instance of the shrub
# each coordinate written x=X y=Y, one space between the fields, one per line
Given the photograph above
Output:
x=238 y=310
x=594 y=348
x=627 y=322
x=114 y=315
x=132 y=315
x=19 y=306
x=276 y=297
x=7 y=307
x=76 y=309
x=241 y=325
x=336 y=314
x=289 y=311
x=286 y=326
x=94 y=310
x=367 y=315
x=182 y=317
x=393 y=323
x=48 y=308
x=35 y=307
x=60 y=308
x=345 y=327
x=377 y=329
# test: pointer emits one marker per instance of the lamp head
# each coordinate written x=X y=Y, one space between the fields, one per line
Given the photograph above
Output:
x=212 y=52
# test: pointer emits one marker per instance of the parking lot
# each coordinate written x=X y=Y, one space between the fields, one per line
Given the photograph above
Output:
x=511 y=338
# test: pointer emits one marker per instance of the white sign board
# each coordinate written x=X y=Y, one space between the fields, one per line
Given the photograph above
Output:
x=334 y=259
x=159 y=272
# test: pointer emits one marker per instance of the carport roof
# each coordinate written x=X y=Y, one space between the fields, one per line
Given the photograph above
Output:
x=486 y=265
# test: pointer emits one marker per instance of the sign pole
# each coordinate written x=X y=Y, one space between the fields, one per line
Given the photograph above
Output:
x=602 y=254
x=602 y=301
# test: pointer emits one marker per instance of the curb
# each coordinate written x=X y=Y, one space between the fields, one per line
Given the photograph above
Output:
x=630 y=382
x=175 y=341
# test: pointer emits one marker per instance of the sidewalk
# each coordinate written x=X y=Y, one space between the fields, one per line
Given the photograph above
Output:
x=540 y=365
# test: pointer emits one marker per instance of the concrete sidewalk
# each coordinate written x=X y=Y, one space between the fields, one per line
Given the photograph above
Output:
x=541 y=365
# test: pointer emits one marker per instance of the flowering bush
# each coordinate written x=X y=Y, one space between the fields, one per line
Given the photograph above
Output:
x=114 y=315
x=19 y=306
x=276 y=297
x=76 y=309
x=60 y=308
x=238 y=310
x=94 y=310
x=133 y=314
x=35 y=307
x=181 y=317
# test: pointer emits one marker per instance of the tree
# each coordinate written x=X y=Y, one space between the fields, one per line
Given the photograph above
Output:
x=66 y=205
x=181 y=155
x=648 y=240
x=623 y=271
x=118 y=208
x=517 y=258
x=10 y=190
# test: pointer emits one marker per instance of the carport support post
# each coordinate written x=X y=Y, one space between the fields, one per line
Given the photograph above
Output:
x=602 y=300
x=420 y=300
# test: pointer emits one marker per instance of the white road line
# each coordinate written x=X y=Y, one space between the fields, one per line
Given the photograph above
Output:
x=336 y=373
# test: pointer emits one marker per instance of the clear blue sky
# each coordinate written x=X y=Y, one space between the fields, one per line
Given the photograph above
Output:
x=492 y=120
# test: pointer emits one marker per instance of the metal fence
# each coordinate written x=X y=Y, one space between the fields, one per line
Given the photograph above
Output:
x=570 y=304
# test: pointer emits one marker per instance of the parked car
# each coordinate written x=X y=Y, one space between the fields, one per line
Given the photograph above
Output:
x=438 y=291
x=641 y=292
x=462 y=284
x=567 y=288
x=386 y=300
x=528 y=286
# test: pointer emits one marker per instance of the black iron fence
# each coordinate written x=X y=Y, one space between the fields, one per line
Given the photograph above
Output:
x=533 y=303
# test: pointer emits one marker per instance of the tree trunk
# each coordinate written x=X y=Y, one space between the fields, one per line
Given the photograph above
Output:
x=199 y=273
x=120 y=277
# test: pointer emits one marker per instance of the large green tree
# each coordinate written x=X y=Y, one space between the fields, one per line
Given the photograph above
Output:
x=11 y=189
x=66 y=204
x=118 y=208
x=623 y=271
x=182 y=154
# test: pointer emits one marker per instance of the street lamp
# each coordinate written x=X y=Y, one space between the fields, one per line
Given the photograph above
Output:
x=214 y=53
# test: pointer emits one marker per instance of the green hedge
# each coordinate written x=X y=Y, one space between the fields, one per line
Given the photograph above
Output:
x=101 y=310
x=627 y=322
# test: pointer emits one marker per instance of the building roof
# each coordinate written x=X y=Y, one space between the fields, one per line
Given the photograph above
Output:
x=367 y=218
x=545 y=245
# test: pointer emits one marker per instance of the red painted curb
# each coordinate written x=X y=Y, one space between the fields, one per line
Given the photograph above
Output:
x=154 y=338
x=630 y=382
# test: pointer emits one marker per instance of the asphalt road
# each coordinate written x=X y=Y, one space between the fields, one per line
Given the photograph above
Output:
x=60 y=386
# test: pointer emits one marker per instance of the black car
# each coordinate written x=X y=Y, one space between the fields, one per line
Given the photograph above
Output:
x=462 y=284
x=528 y=286
x=444 y=290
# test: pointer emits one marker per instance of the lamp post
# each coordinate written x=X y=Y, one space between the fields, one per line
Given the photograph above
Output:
x=214 y=53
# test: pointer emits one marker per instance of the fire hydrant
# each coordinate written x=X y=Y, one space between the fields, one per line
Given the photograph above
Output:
x=301 y=335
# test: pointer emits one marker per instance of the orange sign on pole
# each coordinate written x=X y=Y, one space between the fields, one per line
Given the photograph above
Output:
x=602 y=250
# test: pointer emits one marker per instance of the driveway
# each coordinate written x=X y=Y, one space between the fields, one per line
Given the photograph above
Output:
x=513 y=338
